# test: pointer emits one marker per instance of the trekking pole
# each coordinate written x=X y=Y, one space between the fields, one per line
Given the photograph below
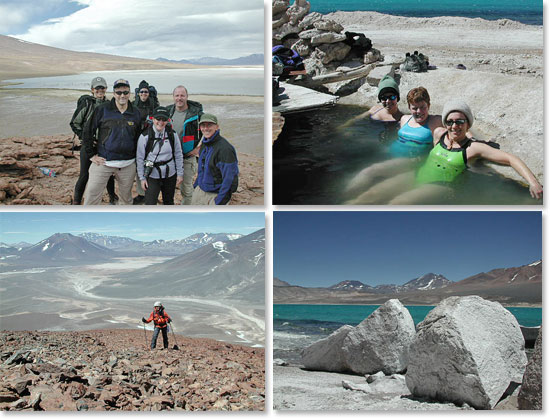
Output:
x=145 y=334
x=173 y=334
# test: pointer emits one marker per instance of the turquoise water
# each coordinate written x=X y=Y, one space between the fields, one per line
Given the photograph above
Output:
x=296 y=326
x=247 y=81
x=525 y=11
x=355 y=314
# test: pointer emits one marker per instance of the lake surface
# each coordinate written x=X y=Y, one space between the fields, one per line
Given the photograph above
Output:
x=296 y=326
x=246 y=81
x=314 y=159
x=525 y=11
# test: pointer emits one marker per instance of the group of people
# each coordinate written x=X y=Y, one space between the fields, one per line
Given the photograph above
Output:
x=429 y=154
x=159 y=147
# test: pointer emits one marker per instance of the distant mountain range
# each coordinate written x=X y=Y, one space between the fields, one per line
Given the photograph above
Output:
x=131 y=247
x=253 y=59
x=93 y=247
x=64 y=248
x=233 y=269
x=425 y=282
x=517 y=285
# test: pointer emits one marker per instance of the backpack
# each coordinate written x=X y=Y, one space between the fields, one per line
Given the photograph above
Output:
x=84 y=102
x=286 y=58
x=153 y=94
x=151 y=138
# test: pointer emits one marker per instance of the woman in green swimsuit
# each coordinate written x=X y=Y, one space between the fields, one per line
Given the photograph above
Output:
x=452 y=152
x=414 y=141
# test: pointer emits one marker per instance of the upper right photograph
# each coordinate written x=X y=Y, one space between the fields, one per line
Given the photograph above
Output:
x=436 y=102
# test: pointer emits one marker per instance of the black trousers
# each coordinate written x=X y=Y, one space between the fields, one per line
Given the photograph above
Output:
x=155 y=186
x=164 y=331
x=80 y=186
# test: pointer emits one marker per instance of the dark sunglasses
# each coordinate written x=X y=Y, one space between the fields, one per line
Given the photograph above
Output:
x=392 y=97
x=450 y=122
x=100 y=87
x=162 y=118
x=121 y=92
x=144 y=91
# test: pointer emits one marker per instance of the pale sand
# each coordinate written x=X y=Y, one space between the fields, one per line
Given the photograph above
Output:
x=503 y=83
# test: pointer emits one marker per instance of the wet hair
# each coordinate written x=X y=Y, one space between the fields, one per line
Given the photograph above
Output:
x=418 y=94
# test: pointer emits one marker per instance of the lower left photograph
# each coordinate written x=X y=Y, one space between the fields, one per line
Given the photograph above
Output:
x=134 y=311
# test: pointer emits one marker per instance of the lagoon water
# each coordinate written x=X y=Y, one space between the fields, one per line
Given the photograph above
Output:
x=314 y=159
x=525 y=11
x=245 y=81
x=296 y=326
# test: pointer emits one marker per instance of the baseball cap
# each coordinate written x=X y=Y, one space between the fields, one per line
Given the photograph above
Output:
x=121 y=82
x=98 y=82
x=208 y=117
x=161 y=112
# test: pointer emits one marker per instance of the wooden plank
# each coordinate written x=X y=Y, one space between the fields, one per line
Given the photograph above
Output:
x=298 y=99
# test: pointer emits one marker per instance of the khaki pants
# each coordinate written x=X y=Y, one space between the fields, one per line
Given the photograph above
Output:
x=201 y=197
x=186 y=187
x=98 y=178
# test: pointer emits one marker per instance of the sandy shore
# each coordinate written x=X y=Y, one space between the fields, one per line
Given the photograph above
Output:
x=503 y=82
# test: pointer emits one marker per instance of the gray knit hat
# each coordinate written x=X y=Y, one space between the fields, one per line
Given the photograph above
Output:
x=457 y=105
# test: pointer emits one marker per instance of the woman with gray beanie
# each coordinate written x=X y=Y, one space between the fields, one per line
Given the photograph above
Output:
x=449 y=158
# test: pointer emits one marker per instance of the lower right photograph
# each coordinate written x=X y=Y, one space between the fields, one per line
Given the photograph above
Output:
x=407 y=310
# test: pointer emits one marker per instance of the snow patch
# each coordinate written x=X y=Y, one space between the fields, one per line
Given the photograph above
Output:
x=512 y=280
x=536 y=263
x=46 y=246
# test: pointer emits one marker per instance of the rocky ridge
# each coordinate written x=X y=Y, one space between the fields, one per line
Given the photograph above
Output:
x=100 y=370
x=22 y=183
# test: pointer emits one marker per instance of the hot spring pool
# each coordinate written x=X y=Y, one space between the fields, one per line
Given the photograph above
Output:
x=314 y=159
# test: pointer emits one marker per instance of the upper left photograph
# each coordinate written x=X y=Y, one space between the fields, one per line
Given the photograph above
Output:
x=125 y=103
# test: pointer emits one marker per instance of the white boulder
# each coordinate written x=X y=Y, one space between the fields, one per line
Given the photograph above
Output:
x=326 y=354
x=381 y=341
x=467 y=350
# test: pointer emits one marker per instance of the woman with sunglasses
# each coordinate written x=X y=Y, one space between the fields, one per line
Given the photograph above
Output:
x=159 y=159
x=414 y=141
x=453 y=151
x=387 y=110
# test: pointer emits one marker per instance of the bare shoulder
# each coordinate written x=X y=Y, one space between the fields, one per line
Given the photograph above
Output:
x=435 y=122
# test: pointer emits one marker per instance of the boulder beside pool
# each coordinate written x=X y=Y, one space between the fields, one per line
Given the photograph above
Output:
x=467 y=350
x=379 y=343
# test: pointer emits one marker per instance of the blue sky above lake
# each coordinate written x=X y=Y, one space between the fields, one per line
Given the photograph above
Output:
x=33 y=227
x=323 y=248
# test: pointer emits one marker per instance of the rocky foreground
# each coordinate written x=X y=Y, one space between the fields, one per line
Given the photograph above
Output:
x=22 y=183
x=114 y=370
x=467 y=353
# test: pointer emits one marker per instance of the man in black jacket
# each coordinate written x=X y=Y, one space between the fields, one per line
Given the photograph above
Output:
x=111 y=139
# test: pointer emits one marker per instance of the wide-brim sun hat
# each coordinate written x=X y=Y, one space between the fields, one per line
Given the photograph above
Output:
x=457 y=105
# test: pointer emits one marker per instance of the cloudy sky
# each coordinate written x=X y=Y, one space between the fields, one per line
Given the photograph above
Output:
x=173 y=29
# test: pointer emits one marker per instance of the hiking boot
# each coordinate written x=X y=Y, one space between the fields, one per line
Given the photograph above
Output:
x=113 y=199
x=138 y=200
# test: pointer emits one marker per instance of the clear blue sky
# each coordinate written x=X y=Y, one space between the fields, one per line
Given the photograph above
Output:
x=323 y=248
x=33 y=227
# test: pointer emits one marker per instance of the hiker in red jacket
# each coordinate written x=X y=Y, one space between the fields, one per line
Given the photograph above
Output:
x=161 y=320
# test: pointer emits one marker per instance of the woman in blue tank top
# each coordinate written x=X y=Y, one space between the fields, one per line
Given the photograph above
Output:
x=415 y=140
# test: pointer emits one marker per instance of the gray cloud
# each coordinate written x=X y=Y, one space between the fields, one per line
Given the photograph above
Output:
x=174 y=29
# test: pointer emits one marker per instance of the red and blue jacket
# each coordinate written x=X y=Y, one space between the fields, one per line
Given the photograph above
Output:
x=191 y=135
